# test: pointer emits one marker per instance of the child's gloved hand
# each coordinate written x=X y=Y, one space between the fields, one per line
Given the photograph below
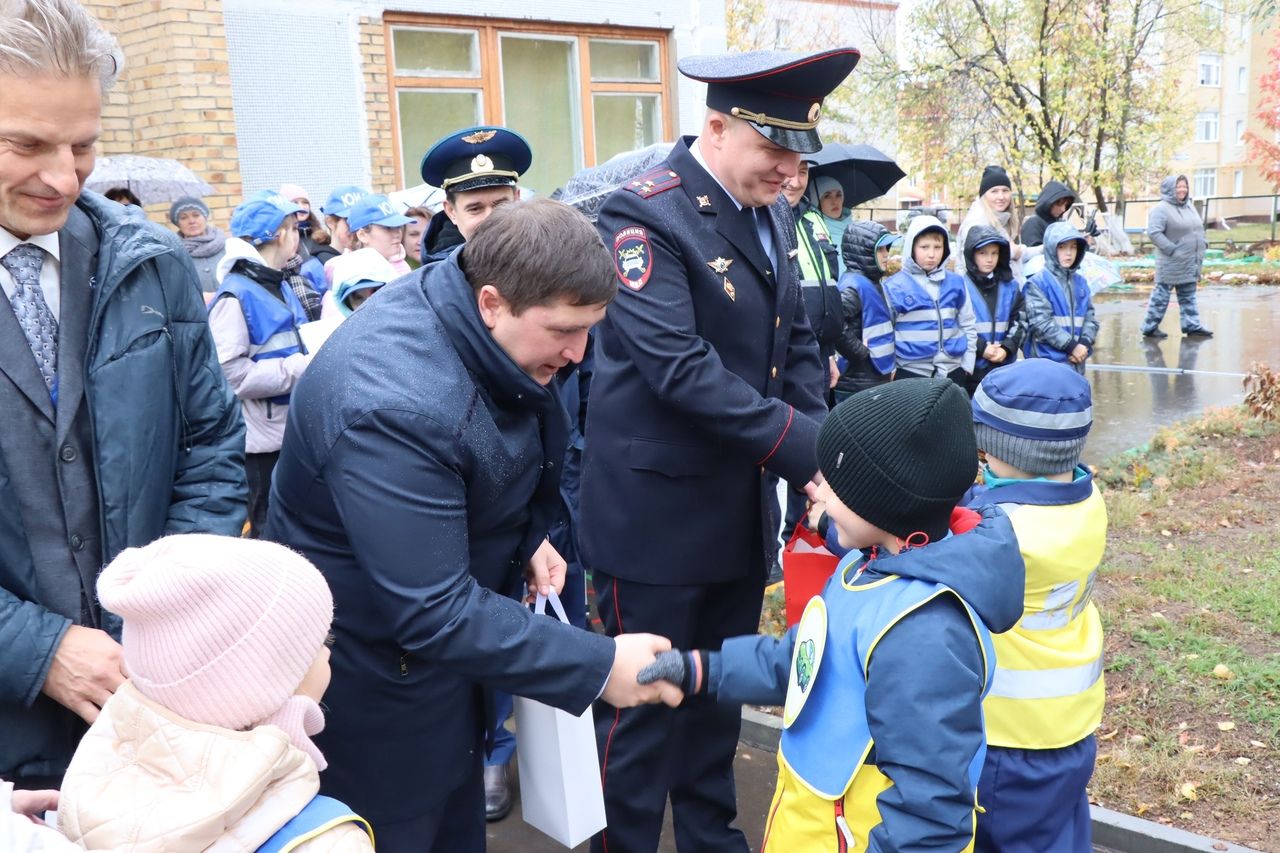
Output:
x=686 y=670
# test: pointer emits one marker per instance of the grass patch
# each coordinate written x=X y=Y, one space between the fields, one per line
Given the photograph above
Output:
x=1190 y=599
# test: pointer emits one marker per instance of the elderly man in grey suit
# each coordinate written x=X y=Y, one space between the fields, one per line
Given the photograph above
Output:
x=116 y=426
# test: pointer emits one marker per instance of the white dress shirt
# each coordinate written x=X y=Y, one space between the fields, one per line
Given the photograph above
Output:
x=50 y=270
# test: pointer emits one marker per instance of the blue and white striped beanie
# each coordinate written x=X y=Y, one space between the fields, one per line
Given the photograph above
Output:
x=1034 y=414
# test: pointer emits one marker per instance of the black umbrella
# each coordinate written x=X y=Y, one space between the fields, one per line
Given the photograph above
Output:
x=863 y=171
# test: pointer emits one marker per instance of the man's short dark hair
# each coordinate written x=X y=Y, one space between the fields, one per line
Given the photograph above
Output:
x=537 y=252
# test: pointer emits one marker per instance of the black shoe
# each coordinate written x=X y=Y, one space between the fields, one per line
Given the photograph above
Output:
x=1155 y=333
x=497 y=792
x=1198 y=333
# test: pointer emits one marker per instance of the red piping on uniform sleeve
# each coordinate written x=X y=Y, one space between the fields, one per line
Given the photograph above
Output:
x=791 y=415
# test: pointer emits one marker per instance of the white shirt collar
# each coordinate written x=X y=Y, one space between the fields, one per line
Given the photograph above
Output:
x=696 y=150
x=48 y=242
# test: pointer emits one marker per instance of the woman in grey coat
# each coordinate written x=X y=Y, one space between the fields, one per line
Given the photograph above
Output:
x=1176 y=229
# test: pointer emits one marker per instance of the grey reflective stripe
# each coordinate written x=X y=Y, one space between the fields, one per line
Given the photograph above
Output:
x=917 y=315
x=1045 y=683
x=1056 y=612
x=930 y=335
x=280 y=340
x=877 y=330
x=1001 y=326
x=946 y=312
x=1063 y=320
x=882 y=349
x=811 y=282
x=1039 y=420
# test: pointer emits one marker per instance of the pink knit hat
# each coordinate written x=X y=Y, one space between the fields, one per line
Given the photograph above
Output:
x=293 y=192
x=220 y=630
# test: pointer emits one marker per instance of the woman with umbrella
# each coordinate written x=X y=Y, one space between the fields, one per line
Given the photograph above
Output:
x=205 y=243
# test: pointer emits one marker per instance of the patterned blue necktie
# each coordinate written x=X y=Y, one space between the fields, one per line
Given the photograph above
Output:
x=34 y=316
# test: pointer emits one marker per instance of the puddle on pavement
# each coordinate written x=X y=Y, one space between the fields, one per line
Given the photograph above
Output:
x=1129 y=406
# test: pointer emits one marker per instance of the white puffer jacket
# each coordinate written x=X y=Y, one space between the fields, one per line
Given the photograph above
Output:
x=147 y=781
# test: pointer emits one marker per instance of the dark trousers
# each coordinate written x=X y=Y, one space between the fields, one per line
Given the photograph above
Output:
x=257 y=470
x=652 y=752
x=1034 y=800
x=455 y=825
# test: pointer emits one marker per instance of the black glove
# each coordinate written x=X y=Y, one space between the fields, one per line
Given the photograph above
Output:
x=686 y=670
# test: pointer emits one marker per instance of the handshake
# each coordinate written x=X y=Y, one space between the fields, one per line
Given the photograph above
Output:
x=647 y=670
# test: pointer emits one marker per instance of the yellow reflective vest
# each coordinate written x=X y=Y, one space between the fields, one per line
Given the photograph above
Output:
x=1048 y=689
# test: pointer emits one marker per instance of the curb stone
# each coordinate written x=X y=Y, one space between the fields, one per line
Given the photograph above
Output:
x=1110 y=828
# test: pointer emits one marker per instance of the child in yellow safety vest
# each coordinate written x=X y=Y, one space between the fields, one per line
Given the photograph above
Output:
x=883 y=678
x=1032 y=418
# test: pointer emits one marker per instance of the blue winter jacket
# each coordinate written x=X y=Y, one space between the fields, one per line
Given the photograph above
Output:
x=168 y=452
x=924 y=678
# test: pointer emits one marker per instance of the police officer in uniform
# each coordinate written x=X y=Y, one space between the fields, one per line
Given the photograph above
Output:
x=707 y=389
x=478 y=169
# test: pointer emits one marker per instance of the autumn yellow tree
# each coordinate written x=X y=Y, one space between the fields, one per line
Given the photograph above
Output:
x=1079 y=90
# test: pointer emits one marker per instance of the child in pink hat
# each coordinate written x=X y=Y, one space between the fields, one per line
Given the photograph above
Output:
x=208 y=743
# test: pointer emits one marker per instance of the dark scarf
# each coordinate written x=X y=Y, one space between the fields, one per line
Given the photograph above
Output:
x=302 y=287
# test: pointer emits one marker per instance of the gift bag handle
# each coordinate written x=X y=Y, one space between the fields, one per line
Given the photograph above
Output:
x=540 y=606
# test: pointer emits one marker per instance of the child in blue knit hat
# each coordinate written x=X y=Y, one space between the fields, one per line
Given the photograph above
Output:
x=1032 y=418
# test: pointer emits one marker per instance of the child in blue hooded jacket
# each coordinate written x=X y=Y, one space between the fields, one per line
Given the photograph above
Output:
x=883 y=678
x=1059 y=305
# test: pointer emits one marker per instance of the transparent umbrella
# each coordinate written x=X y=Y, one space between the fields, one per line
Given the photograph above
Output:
x=588 y=189
x=152 y=179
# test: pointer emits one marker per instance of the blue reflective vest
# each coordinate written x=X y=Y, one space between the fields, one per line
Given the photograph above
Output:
x=833 y=712
x=313 y=270
x=1070 y=307
x=994 y=328
x=919 y=327
x=272 y=324
x=877 y=321
x=316 y=818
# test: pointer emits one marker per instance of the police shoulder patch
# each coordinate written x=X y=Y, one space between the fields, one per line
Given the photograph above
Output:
x=652 y=182
x=632 y=257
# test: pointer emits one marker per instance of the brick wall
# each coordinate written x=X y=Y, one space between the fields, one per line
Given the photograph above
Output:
x=174 y=98
x=373 y=56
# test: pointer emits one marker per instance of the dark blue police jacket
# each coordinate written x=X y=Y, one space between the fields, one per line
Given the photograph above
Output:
x=419 y=472
x=705 y=386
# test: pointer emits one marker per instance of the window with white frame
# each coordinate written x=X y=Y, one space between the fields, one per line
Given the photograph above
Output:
x=1239 y=182
x=1205 y=183
x=1242 y=80
x=579 y=94
x=1210 y=69
x=1239 y=131
x=1212 y=10
x=1207 y=126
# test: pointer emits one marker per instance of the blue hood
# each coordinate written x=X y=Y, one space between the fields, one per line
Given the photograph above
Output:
x=983 y=565
x=1055 y=234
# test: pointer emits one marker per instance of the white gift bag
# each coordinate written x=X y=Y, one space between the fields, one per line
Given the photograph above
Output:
x=560 y=790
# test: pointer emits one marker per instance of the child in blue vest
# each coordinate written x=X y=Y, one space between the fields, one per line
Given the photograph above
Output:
x=1059 y=306
x=254 y=318
x=207 y=745
x=865 y=251
x=883 y=678
x=928 y=319
x=996 y=297
x=1032 y=419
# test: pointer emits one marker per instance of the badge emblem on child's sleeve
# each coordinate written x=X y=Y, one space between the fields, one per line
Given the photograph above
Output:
x=810 y=642
x=632 y=259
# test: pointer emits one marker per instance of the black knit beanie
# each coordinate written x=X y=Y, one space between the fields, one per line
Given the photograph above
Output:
x=901 y=455
x=994 y=176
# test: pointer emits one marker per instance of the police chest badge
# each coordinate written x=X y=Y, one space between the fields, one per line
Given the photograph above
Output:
x=810 y=642
x=632 y=257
